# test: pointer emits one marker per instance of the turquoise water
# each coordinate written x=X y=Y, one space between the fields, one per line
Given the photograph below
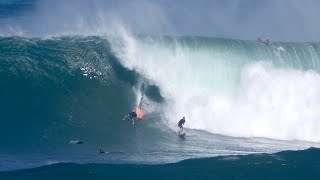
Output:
x=252 y=110
x=47 y=103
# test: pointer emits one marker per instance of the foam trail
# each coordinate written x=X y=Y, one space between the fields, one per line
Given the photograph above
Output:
x=229 y=92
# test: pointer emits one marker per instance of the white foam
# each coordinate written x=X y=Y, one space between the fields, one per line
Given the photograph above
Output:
x=271 y=103
x=255 y=100
x=280 y=48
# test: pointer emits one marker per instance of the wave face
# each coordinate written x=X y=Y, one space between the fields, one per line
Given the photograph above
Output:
x=45 y=97
x=233 y=87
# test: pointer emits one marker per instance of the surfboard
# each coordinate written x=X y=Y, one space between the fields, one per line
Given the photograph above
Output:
x=182 y=133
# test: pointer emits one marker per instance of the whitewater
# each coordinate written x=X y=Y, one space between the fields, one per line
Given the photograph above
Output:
x=232 y=87
x=246 y=103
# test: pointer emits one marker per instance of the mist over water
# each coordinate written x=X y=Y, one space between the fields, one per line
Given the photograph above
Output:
x=288 y=20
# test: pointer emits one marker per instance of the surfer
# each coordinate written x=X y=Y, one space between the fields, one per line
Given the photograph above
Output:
x=263 y=40
x=131 y=115
x=181 y=123
x=85 y=71
x=136 y=112
x=102 y=151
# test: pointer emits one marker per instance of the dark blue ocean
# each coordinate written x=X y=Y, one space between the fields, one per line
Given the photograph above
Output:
x=251 y=108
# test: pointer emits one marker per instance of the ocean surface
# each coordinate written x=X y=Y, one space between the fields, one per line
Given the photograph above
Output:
x=252 y=110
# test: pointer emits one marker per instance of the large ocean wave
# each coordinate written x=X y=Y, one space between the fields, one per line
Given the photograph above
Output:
x=228 y=87
x=224 y=87
x=69 y=72
x=232 y=87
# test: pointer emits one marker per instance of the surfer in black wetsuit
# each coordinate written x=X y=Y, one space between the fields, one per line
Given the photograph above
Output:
x=181 y=123
x=131 y=115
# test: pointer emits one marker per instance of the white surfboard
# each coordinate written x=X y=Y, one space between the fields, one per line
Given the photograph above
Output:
x=182 y=133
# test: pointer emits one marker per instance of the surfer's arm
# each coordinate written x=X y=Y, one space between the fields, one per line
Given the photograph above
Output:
x=125 y=117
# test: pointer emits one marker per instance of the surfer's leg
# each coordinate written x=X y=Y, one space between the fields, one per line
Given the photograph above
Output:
x=132 y=121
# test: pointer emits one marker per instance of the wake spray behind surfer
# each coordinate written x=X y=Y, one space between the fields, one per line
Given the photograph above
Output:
x=181 y=123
